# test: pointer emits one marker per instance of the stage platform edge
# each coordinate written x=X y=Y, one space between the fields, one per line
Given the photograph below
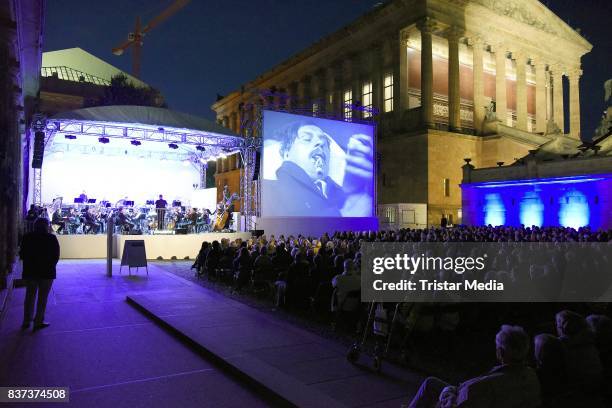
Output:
x=165 y=246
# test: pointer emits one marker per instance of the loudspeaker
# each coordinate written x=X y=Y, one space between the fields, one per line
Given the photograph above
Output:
x=180 y=231
x=257 y=164
x=257 y=233
x=39 y=150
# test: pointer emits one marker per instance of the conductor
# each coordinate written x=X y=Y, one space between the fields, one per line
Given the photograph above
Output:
x=160 y=208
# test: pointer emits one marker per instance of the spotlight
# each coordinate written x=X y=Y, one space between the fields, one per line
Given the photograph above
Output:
x=200 y=148
x=222 y=155
x=135 y=143
x=173 y=145
x=103 y=140
x=70 y=137
x=161 y=129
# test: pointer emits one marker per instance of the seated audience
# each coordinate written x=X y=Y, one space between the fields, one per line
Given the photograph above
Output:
x=583 y=365
x=510 y=384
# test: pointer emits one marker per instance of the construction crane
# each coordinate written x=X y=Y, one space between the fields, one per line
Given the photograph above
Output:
x=135 y=38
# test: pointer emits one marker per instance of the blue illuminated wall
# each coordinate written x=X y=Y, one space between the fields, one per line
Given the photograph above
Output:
x=563 y=201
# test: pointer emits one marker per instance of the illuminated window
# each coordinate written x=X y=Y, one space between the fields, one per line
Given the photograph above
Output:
x=388 y=93
x=446 y=187
x=348 y=105
x=315 y=109
x=330 y=98
x=367 y=99
x=390 y=215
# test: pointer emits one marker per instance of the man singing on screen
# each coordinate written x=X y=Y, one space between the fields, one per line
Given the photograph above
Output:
x=304 y=187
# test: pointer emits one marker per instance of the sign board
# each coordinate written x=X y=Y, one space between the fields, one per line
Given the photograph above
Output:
x=134 y=255
x=39 y=123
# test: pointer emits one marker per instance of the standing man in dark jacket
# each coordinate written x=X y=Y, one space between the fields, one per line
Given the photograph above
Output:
x=40 y=253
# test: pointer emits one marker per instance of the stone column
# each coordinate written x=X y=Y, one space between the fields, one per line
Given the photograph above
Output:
x=292 y=95
x=303 y=92
x=403 y=70
x=478 y=71
x=540 y=96
x=557 y=80
x=521 y=90
x=500 y=83
x=574 y=101
x=454 y=96
x=426 y=26
x=356 y=61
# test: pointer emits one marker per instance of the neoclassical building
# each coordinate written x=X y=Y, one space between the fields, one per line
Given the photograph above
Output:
x=451 y=79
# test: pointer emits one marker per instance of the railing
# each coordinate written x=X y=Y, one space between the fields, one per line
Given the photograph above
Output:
x=70 y=74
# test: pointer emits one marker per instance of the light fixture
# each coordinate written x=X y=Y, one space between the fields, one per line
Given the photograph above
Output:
x=70 y=137
x=173 y=146
x=200 y=148
x=135 y=143
x=103 y=140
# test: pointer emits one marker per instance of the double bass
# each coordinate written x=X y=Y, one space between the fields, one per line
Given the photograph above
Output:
x=223 y=210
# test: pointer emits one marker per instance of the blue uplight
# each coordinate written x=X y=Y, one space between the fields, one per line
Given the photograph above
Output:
x=574 y=210
x=574 y=202
x=495 y=212
x=531 y=209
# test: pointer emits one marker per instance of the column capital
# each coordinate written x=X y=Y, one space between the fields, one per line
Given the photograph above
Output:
x=454 y=33
x=557 y=68
x=538 y=61
x=404 y=37
x=475 y=40
x=519 y=55
x=574 y=73
x=500 y=47
x=427 y=25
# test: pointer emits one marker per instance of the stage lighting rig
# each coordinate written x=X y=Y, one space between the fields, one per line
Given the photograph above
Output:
x=173 y=146
x=103 y=140
x=200 y=148
x=135 y=143
x=70 y=137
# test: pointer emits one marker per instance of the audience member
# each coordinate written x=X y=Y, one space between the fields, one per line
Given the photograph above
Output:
x=510 y=384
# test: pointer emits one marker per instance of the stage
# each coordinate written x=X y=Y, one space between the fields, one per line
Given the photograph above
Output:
x=157 y=246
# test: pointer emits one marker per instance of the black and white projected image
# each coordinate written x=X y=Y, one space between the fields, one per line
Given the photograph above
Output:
x=315 y=167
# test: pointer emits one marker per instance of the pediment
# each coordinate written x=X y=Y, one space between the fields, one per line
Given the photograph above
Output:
x=534 y=14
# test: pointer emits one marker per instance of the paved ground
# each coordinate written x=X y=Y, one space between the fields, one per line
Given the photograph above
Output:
x=108 y=353
x=300 y=366
x=196 y=347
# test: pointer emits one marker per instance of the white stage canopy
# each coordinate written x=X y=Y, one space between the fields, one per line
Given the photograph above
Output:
x=138 y=151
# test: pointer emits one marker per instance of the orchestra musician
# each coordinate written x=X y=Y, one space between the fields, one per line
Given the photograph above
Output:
x=123 y=221
x=90 y=222
x=74 y=221
x=57 y=219
x=160 y=207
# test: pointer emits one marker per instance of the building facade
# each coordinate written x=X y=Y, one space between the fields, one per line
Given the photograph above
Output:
x=21 y=29
x=451 y=79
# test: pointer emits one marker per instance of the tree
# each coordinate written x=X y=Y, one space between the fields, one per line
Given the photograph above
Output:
x=123 y=92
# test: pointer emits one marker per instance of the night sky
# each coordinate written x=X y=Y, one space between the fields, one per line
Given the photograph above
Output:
x=214 y=46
